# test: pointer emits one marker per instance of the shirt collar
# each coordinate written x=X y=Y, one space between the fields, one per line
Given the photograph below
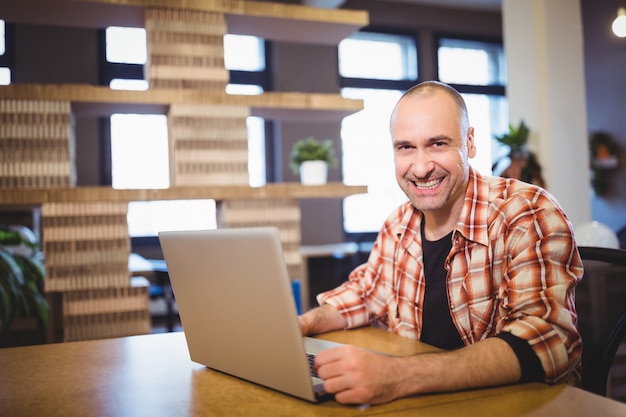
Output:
x=472 y=223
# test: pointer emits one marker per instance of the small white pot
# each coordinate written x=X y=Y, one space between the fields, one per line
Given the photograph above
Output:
x=314 y=172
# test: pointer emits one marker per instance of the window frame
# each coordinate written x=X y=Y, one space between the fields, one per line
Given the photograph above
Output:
x=488 y=89
x=111 y=70
x=494 y=90
x=498 y=90
x=7 y=60
x=353 y=82
x=369 y=83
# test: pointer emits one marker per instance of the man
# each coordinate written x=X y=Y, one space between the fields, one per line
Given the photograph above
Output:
x=483 y=267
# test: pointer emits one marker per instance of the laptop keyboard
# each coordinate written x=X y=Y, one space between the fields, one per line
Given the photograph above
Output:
x=311 y=358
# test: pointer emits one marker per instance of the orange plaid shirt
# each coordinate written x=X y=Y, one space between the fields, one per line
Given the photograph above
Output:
x=512 y=268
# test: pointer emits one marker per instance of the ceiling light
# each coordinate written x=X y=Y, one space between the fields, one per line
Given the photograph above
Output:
x=619 y=24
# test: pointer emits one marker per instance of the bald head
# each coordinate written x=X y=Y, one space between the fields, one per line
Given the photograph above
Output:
x=428 y=89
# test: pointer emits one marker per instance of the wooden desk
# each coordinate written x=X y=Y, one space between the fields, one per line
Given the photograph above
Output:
x=152 y=375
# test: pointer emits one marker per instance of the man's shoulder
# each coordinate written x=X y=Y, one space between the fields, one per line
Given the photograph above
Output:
x=404 y=216
x=512 y=197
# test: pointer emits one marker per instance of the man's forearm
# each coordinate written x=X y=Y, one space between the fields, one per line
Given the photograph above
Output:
x=321 y=319
x=486 y=363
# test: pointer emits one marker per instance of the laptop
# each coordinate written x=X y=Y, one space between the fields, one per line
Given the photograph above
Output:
x=237 y=308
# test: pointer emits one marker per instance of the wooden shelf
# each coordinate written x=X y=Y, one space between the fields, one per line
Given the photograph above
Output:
x=98 y=100
x=25 y=196
x=272 y=21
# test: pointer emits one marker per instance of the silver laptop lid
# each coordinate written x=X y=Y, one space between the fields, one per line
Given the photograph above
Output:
x=237 y=307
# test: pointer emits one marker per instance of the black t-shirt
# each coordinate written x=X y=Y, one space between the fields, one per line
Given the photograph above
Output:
x=439 y=330
x=437 y=326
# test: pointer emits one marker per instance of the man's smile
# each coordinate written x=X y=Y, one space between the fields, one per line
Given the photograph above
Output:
x=428 y=185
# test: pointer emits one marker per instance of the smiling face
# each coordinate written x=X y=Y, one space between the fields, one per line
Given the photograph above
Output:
x=432 y=145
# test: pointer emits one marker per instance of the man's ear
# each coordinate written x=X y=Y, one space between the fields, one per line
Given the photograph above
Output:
x=471 y=144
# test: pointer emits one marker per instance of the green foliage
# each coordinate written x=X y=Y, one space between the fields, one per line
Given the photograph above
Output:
x=21 y=281
x=310 y=149
x=516 y=138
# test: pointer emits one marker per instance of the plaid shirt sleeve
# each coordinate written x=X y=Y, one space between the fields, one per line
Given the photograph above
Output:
x=514 y=268
x=367 y=297
x=541 y=268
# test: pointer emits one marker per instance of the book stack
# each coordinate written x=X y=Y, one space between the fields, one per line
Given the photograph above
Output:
x=35 y=142
x=284 y=214
x=208 y=144
x=86 y=248
x=185 y=49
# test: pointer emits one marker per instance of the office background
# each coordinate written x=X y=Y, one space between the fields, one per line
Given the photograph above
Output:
x=53 y=54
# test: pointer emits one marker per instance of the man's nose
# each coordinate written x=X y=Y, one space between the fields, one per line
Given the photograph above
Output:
x=422 y=164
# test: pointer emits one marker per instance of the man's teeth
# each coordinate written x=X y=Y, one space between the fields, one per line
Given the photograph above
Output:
x=427 y=184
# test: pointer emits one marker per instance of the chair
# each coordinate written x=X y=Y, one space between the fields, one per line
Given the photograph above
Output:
x=602 y=313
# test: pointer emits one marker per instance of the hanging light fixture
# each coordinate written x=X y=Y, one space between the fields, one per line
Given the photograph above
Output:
x=619 y=24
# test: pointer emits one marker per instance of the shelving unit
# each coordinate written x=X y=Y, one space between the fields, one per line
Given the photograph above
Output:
x=84 y=229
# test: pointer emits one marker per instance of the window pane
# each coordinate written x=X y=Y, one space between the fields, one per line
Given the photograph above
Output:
x=126 y=45
x=139 y=151
x=256 y=151
x=2 y=38
x=378 y=56
x=148 y=218
x=368 y=160
x=121 y=84
x=489 y=116
x=471 y=62
x=5 y=76
x=368 y=154
x=244 y=53
x=244 y=89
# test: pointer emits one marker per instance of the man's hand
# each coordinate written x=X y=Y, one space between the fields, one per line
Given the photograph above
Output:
x=321 y=319
x=358 y=376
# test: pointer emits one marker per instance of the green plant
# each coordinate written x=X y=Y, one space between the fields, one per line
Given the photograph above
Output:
x=516 y=139
x=524 y=164
x=310 y=149
x=22 y=276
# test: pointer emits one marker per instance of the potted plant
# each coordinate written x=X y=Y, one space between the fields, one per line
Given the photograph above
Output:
x=21 y=278
x=311 y=158
x=524 y=164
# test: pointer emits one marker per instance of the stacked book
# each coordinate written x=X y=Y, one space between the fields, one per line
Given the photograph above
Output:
x=284 y=214
x=208 y=144
x=86 y=248
x=35 y=142
x=185 y=49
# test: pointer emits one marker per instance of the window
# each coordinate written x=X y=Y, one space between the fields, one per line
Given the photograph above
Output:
x=369 y=55
x=244 y=57
x=134 y=168
x=244 y=53
x=376 y=68
x=368 y=159
x=5 y=70
x=477 y=69
x=126 y=54
x=471 y=62
x=140 y=151
x=139 y=142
